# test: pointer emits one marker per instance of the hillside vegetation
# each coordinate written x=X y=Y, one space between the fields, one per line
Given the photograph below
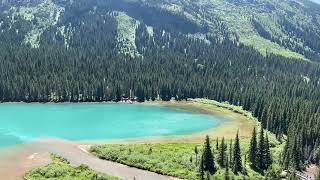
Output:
x=289 y=28
x=243 y=52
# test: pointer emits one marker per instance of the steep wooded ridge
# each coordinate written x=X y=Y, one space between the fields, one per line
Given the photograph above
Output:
x=253 y=53
x=289 y=28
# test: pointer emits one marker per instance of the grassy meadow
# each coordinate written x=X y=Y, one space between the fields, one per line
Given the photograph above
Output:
x=60 y=169
x=176 y=159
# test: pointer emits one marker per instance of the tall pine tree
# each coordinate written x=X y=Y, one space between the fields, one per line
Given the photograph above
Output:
x=268 y=156
x=222 y=154
x=201 y=169
x=230 y=153
x=208 y=158
x=261 y=151
x=296 y=155
x=196 y=152
x=253 y=149
x=217 y=143
x=237 y=162
x=226 y=174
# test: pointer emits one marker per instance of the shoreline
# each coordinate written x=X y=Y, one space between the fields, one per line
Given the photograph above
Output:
x=233 y=122
x=36 y=153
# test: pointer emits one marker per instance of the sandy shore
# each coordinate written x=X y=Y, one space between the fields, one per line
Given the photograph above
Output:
x=36 y=155
x=17 y=160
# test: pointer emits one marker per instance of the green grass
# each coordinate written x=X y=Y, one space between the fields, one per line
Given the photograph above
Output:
x=225 y=105
x=265 y=46
x=174 y=159
x=60 y=169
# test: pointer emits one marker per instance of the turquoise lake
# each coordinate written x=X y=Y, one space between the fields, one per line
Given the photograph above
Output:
x=20 y=123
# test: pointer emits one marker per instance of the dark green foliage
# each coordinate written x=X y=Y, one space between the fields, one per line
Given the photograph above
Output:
x=227 y=173
x=201 y=169
x=208 y=176
x=169 y=159
x=230 y=154
x=268 y=156
x=273 y=173
x=283 y=93
x=296 y=156
x=261 y=151
x=253 y=149
x=222 y=158
x=237 y=162
x=293 y=176
x=264 y=159
x=263 y=156
x=196 y=152
x=208 y=158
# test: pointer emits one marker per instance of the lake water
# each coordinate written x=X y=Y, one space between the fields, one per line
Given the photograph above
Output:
x=20 y=123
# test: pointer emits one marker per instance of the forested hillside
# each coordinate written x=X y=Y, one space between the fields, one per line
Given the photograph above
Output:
x=260 y=54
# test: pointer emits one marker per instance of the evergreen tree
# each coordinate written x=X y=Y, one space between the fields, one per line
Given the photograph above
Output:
x=268 y=156
x=201 y=169
x=217 y=144
x=230 y=153
x=285 y=155
x=237 y=162
x=222 y=154
x=92 y=69
x=261 y=151
x=196 y=152
x=208 y=158
x=296 y=157
x=253 y=149
x=227 y=174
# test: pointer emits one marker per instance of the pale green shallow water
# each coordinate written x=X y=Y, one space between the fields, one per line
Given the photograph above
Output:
x=20 y=123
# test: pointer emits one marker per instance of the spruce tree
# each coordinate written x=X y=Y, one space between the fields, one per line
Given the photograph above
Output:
x=222 y=153
x=261 y=151
x=253 y=149
x=286 y=155
x=268 y=156
x=230 y=153
x=201 y=169
x=237 y=162
x=226 y=174
x=196 y=152
x=217 y=143
x=296 y=157
x=208 y=158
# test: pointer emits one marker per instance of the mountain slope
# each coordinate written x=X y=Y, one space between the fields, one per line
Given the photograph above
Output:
x=244 y=52
x=288 y=28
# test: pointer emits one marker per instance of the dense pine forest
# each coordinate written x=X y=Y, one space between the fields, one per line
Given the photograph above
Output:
x=89 y=65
